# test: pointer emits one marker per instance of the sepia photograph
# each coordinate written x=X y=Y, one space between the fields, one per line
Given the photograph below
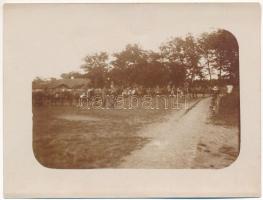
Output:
x=131 y=100
x=141 y=92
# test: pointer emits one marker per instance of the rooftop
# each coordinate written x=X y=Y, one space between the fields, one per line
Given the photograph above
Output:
x=70 y=83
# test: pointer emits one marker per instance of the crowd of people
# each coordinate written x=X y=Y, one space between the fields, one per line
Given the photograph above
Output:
x=80 y=97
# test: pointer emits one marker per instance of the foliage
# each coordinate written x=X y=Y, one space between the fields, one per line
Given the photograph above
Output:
x=96 y=68
x=211 y=56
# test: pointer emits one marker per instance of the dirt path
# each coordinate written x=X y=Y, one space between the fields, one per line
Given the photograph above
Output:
x=175 y=143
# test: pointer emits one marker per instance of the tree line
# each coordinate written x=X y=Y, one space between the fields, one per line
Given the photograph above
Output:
x=210 y=58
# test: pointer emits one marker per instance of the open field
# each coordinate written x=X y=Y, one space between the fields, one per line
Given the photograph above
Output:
x=72 y=137
x=68 y=137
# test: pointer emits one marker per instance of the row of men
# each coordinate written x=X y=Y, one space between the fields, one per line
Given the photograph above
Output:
x=77 y=97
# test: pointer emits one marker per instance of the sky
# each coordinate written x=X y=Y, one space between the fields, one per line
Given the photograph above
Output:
x=54 y=39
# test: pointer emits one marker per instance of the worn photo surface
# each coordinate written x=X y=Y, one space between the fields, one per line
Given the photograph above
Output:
x=132 y=86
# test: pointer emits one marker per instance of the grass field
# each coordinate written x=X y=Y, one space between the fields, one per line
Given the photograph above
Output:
x=68 y=137
x=229 y=110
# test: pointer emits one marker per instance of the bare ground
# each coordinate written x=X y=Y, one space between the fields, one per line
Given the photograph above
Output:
x=187 y=139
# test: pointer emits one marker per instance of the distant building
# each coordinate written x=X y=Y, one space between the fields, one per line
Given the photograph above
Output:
x=61 y=85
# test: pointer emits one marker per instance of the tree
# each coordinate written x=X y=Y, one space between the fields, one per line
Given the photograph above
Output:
x=192 y=58
x=182 y=58
x=128 y=64
x=96 y=68
x=207 y=53
x=227 y=59
x=155 y=72
x=211 y=56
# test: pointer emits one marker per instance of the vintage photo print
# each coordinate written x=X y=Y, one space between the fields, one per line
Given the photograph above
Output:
x=133 y=86
x=170 y=100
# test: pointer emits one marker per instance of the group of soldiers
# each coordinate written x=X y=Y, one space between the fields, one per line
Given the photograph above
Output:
x=109 y=95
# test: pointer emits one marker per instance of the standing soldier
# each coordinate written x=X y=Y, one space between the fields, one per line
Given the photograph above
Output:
x=215 y=99
x=104 y=96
